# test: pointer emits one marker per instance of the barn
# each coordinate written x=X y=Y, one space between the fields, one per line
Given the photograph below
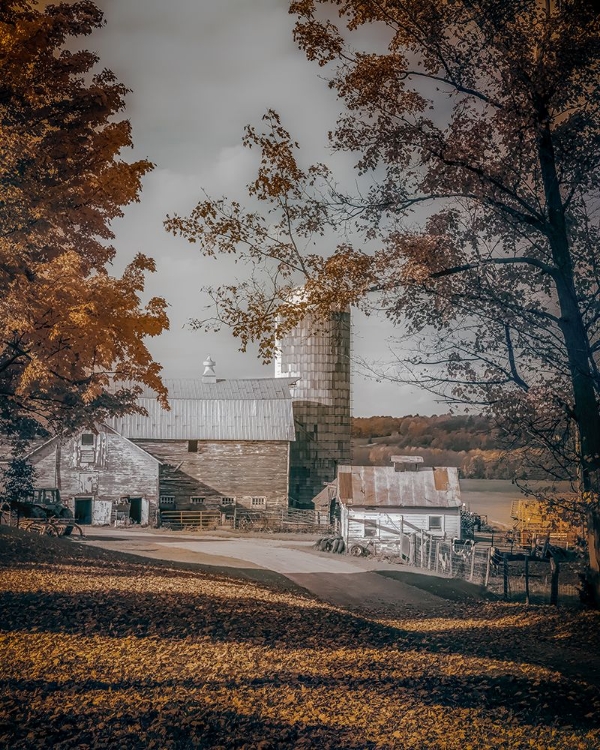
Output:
x=224 y=441
x=100 y=474
x=385 y=502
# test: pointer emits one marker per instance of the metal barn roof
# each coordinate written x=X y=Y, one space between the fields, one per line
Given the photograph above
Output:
x=253 y=409
x=195 y=389
x=383 y=486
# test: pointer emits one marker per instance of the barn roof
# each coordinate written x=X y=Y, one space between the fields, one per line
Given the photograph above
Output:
x=252 y=409
x=383 y=486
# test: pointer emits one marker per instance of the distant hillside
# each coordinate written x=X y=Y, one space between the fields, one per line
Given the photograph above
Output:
x=469 y=442
x=446 y=432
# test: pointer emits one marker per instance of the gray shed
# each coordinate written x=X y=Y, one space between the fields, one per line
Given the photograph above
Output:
x=383 y=502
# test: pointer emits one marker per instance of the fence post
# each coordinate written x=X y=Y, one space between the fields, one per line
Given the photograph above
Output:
x=527 y=580
x=505 y=575
x=487 y=567
x=411 y=549
x=472 y=563
x=422 y=551
x=437 y=556
x=429 y=551
x=234 y=516
x=451 y=555
x=555 y=570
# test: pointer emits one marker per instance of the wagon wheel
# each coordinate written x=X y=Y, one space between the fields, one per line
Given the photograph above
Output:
x=67 y=529
x=357 y=551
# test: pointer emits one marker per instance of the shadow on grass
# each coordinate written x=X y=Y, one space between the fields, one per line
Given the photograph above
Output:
x=492 y=694
x=182 y=725
x=248 y=619
x=452 y=589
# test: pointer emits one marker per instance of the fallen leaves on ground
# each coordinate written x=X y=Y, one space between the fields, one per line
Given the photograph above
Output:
x=99 y=651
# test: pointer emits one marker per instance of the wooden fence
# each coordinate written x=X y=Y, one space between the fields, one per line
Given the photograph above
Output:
x=279 y=520
x=192 y=519
x=512 y=577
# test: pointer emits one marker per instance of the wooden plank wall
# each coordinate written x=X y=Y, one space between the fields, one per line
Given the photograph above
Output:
x=118 y=468
x=222 y=469
x=388 y=519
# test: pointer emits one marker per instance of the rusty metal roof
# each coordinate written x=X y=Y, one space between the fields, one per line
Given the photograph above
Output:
x=253 y=409
x=383 y=486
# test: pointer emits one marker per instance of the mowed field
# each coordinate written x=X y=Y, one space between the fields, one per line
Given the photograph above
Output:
x=490 y=497
x=493 y=498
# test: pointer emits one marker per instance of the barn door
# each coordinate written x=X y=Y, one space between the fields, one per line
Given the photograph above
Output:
x=101 y=513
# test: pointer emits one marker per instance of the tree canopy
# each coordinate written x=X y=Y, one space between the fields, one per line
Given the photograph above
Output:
x=67 y=327
x=477 y=126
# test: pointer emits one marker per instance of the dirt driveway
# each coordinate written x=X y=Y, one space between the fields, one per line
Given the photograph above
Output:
x=353 y=583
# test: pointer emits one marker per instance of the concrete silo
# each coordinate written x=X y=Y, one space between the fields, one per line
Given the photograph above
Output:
x=318 y=354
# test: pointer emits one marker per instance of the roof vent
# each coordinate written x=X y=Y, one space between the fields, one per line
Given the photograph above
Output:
x=208 y=376
x=406 y=463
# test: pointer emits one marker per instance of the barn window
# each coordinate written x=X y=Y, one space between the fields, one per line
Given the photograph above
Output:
x=197 y=500
x=87 y=439
x=228 y=501
x=435 y=523
x=167 y=499
x=192 y=446
x=258 y=501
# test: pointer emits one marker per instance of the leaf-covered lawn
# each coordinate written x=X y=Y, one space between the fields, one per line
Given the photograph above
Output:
x=101 y=651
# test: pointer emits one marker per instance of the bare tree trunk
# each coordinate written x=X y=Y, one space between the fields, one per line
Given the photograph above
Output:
x=586 y=411
x=593 y=538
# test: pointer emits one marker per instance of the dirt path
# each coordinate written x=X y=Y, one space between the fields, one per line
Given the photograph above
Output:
x=340 y=580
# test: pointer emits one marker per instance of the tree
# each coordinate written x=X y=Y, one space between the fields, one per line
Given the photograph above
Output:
x=67 y=327
x=478 y=124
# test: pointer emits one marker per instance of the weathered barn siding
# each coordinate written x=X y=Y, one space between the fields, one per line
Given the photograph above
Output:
x=232 y=469
x=389 y=523
x=109 y=468
x=388 y=502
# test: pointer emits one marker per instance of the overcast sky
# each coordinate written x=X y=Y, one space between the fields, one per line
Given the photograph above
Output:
x=200 y=70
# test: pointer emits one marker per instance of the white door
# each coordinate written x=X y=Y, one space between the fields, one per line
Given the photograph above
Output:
x=101 y=512
x=145 y=514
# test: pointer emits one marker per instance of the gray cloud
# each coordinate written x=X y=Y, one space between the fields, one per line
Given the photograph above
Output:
x=200 y=70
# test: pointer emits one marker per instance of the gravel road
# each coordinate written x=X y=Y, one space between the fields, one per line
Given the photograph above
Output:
x=353 y=583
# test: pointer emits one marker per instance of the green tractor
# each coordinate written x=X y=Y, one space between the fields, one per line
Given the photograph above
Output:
x=44 y=504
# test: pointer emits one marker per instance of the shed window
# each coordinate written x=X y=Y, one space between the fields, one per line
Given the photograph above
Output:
x=258 y=501
x=192 y=446
x=87 y=439
x=435 y=523
x=228 y=501
x=197 y=500
x=370 y=527
x=167 y=499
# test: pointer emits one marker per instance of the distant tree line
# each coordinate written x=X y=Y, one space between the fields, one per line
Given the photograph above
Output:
x=471 y=442
x=445 y=432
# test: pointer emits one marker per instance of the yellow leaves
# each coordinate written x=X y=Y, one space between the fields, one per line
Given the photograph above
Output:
x=65 y=324
x=98 y=650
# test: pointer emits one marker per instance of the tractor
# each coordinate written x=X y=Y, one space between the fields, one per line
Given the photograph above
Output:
x=45 y=504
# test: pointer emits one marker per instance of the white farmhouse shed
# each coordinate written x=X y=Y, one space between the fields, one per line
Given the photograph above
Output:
x=387 y=502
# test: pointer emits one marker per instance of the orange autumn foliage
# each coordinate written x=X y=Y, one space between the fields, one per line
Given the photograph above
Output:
x=67 y=327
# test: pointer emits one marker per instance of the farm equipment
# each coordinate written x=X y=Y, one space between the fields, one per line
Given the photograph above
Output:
x=534 y=524
x=43 y=512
